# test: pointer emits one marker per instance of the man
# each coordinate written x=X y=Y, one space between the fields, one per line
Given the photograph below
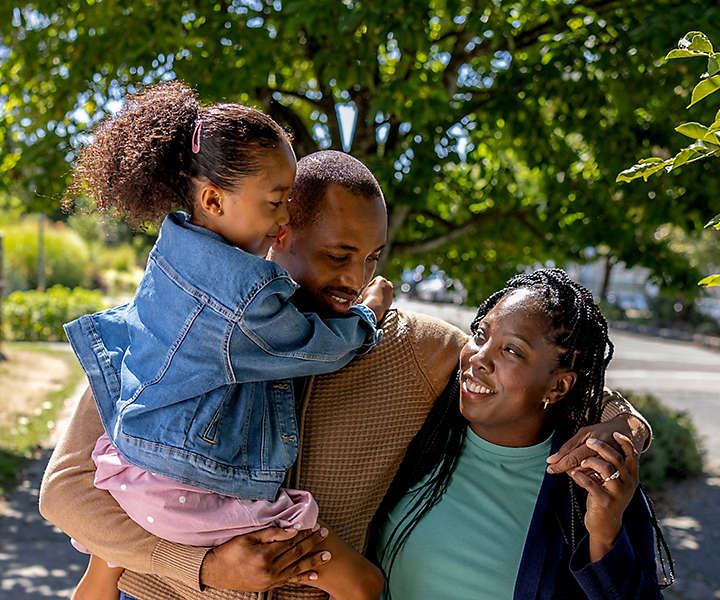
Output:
x=354 y=425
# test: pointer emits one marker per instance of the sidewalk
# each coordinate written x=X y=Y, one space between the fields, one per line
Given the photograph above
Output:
x=37 y=561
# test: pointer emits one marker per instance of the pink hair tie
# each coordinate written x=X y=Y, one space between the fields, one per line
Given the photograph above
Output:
x=196 y=137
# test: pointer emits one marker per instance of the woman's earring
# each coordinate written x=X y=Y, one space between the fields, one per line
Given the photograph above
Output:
x=219 y=211
x=546 y=403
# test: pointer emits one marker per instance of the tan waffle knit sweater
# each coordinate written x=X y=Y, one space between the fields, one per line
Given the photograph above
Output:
x=355 y=426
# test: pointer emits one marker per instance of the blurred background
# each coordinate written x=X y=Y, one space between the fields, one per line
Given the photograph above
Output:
x=496 y=130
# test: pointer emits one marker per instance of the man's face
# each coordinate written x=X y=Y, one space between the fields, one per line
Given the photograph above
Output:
x=334 y=258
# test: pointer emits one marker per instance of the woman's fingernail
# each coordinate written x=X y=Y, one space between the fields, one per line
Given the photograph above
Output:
x=582 y=463
x=325 y=556
x=312 y=576
x=324 y=531
x=592 y=442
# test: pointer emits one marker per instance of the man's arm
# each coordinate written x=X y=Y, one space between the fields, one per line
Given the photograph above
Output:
x=70 y=500
x=618 y=415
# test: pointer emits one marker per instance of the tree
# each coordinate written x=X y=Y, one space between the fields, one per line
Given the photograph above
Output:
x=694 y=44
x=495 y=129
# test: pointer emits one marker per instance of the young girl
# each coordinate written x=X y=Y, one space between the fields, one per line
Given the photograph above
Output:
x=472 y=511
x=192 y=378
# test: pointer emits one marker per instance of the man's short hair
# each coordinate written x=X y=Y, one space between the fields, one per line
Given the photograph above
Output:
x=315 y=172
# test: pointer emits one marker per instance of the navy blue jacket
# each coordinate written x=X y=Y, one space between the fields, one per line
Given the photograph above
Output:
x=549 y=571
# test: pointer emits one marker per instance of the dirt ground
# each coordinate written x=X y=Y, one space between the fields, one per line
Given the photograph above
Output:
x=26 y=379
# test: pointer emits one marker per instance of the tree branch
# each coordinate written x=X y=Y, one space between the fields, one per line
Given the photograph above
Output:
x=458 y=231
x=298 y=95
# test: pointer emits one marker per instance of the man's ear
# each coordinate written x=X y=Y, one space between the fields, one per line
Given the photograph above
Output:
x=282 y=239
x=564 y=382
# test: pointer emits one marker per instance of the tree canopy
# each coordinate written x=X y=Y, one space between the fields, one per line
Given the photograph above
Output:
x=496 y=129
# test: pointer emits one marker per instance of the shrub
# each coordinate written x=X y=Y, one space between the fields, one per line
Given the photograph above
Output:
x=67 y=258
x=675 y=452
x=39 y=316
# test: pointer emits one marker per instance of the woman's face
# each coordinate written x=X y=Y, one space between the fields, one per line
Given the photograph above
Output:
x=508 y=369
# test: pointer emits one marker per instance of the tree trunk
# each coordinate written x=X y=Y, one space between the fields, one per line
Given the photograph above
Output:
x=610 y=262
x=396 y=218
x=41 y=254
x=2 y=292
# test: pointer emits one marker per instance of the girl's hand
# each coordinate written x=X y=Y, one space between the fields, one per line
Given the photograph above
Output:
x=610 y=479
x=378 y=296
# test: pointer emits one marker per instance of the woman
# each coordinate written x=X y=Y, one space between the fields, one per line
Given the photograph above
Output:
x=472 y=512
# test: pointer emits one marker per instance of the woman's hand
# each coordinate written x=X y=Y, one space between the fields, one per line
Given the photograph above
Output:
x=610 y=479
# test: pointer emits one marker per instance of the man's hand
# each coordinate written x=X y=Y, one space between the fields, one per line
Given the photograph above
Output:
x=259 y=561
x=378 y=296
x=574 y=451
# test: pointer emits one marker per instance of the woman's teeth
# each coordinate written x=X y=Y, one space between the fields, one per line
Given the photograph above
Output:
x=476 y=388
x=339 y=299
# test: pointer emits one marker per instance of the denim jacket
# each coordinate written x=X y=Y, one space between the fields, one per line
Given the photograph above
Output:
x=192 y=378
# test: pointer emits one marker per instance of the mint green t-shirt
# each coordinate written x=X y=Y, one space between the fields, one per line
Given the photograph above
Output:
x=470 y=544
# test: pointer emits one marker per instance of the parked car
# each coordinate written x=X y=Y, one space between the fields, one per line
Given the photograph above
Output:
x=436 y=287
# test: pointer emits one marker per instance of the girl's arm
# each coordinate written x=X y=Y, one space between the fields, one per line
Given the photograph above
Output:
x=274 y=340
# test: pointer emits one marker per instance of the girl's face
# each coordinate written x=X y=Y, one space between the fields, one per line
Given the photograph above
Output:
x=251 y=214
x=508 y=369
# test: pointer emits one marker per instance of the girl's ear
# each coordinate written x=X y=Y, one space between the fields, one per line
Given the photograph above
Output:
x=564 y=382
x=211 y=200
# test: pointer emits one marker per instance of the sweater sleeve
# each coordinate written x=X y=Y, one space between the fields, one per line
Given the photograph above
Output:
x=436 y=347
x=70 y=500
x=614 y=404
x=627 y=571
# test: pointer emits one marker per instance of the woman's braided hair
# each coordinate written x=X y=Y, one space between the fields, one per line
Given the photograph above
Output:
x=141 y=164
x=580 y=332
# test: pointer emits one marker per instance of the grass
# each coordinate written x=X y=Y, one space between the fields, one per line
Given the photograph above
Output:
x=28 y=422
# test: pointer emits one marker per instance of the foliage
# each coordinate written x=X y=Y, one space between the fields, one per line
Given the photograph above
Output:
x=675 y=452
x=39 y=316
x=67 y=258
x=495 y=129
x=707 y=137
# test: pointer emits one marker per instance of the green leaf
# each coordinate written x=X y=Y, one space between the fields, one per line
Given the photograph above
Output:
x=705 y=88
x=699 y=149
x=715 y=126
x=714 y=222
x=644 y=169
x=713 y=65
x=710 y=281
x=684 y=54
x=695 y=40
x=696 y=131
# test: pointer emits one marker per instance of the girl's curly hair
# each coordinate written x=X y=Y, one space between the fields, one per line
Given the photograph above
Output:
x=141 y=164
